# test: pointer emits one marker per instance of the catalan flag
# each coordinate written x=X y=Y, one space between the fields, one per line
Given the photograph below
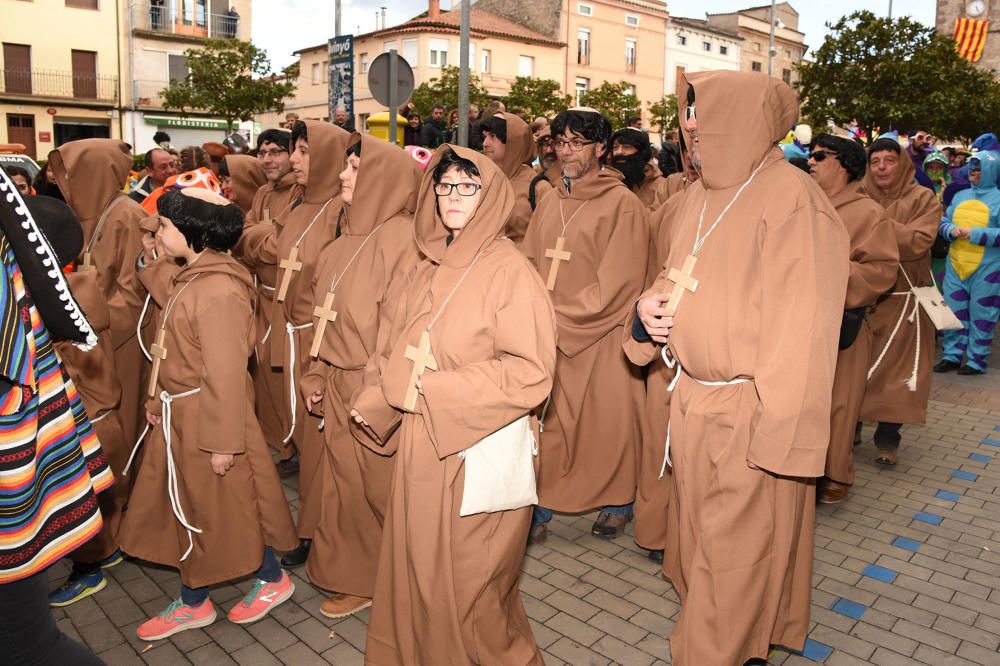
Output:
x=970 y=37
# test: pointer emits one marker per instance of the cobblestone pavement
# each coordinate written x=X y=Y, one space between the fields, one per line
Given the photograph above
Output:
x=907 y=571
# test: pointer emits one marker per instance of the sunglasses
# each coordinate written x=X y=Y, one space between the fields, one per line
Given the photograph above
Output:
x=820 y=155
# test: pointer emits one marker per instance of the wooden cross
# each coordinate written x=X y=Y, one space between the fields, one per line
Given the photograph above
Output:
x=267 y=214
x=291 y=266
x=87 y=264
x=159 y=354
x=556 y=254
x=422 y=358
x=682 y=282
x=326 y=315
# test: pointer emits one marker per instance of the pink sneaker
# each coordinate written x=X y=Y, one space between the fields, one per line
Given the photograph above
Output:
x=176 y=618
x=263 y=597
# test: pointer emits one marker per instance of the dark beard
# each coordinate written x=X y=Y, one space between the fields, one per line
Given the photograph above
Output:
x=632 y=167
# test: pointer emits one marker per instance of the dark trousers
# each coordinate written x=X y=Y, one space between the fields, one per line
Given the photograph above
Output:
x=270 y=572
x=28 y=633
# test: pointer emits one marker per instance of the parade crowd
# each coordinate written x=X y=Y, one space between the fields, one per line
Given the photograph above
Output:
x=446 y=345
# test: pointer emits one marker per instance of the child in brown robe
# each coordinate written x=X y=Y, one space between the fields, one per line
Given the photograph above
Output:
x=207 y=497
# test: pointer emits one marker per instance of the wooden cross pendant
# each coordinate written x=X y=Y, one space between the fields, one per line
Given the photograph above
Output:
x=556 y=254
x=291 y=265
x=422 y=358
x=86 y=265
x=159 y=354
x=683 y=281
x=326 y=315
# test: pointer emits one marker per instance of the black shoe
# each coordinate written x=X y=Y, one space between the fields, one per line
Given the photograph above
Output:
x=656 y=556
x=887 y=436
x=944 y=365
x=297 y=557
x=969 y=370
x=857 y=434
x=287 y=468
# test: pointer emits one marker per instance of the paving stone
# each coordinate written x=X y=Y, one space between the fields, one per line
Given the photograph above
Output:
x=210 y=655
x=344 y=655
x=617 y=627
x=123 y=655
x=314 y=634
x=298 y=654
x=255 y=654
x=926 y=635
x=883 y=638
x=578 y=631
x=621 y=653
x=611 y=603
x=934 y=657
x=841 y=641
x=576 y=654
x=165 y=653
x=543 y=635
x=101 y=635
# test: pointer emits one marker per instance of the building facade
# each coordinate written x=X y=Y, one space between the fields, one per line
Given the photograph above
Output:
x=694 y=46
x=60 y=72
x=983 y=10
x=754 y=26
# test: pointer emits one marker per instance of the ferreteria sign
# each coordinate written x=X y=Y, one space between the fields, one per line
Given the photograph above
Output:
x=188 y=123
x=341 y=74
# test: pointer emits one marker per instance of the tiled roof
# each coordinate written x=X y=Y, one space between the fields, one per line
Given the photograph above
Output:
x=702 y=24
x=481 y=23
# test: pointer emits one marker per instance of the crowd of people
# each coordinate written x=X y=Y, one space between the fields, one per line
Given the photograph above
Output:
x=561 y=317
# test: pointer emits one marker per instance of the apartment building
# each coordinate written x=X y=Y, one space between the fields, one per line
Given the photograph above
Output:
x=753 y=25
x=694 y=46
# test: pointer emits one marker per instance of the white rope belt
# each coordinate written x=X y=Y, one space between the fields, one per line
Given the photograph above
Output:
x=173 y=491
x=292 y=399
x=138 y=328
x=914 y=318
x=672 y=362
x=100 y=418
x=266 y=287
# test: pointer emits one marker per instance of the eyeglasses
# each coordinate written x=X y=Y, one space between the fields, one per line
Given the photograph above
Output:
x=273 y=154
x=464 y=189
x=820 y=155
x=576 y=145
x=689 y=113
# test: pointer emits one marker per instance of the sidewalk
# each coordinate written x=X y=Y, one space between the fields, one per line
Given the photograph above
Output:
x=907 y=571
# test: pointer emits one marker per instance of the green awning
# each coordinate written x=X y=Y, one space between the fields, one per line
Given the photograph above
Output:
x=189 y=123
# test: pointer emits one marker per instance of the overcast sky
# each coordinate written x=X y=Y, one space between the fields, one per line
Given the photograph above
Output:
x=282 y=26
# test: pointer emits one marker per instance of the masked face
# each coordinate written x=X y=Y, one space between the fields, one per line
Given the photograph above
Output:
x=628 y=160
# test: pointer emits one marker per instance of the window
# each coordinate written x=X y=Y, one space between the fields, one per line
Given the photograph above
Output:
x=84 y=74
x=316 y=76
x=82 y=4
x=187 y=11
x=583 y=47
x=525 y=66
x=582 y=86
x=786 y=76
x=755 y=66
x=756 y=47
x=388 y=46
x=584 y=10
x=17 y=68
x=411 y=48
x=788 y=54
x=723 y=50
x=363 y=63
x=706 y=46
x=201 y=12
x=631 y=48
x=472 y=57
x=177 y=67
x=682 y=40
x=486 y=61
x=631 y=20
x=438 y=53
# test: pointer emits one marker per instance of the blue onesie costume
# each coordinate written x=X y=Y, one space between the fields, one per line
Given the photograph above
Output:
x=972 y=276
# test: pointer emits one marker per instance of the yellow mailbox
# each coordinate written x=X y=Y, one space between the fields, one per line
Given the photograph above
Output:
x=378 y=127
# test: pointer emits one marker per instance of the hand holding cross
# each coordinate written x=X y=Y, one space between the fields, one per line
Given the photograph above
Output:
x=422 y=359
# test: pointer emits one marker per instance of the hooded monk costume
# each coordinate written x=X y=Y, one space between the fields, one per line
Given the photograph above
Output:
x=757 y=341
x=516 y=166
x=375 y=247
x=899 y=375
x=588 y=454
x=245 y=177
x=447 y=586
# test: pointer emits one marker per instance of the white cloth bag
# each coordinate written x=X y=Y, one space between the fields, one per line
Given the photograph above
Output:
x=499 y=470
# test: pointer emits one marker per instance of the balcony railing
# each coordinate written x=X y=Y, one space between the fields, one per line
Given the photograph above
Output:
x=187 y=18
x=59 y=85
x=148 y=92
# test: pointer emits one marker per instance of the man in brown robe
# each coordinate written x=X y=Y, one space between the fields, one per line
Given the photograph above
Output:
x=837 y=165
x=90 y=174
x=753 y=335
x=677 y=182
x=245 y=177
x=447 y=591
x=507 y=141
x=317 y=160
x=350 y=289
x=590 y=244
x=632 y=154
x=271 y=205
x=902 y=353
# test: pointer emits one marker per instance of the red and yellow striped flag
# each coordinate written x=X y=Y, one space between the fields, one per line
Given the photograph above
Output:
x=970 y=37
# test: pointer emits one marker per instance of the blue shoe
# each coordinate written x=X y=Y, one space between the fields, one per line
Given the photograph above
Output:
x=114 y=559
x=76 y=588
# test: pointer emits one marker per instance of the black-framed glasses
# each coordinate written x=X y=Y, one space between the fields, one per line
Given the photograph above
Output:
x=464 y=189
x=273 y=154
x=820 y=155
x=576 y=145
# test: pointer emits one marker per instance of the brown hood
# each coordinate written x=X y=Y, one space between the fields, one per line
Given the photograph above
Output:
x=591 y=186
x=247 y=177
x=905 y=174
x=520 y=148
x=388 y=183
x=734 y=137
x=90 y=173
x=211 y=261
x=327 y=151
x=486 y=224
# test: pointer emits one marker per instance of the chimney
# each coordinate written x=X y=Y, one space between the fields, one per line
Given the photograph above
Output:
x=434 y=9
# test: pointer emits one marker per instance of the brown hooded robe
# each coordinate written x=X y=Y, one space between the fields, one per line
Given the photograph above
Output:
x=588 y=454
x=516 y=166
x=375 y=247
x=447 y=591
x=652 y=183
x=91 y=174
x=767 y=309
x=209 y=338
x=874 y=268
x=915 y=215
x=246 y=177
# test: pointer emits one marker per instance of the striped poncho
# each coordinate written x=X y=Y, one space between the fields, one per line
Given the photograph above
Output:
x=51 y=463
